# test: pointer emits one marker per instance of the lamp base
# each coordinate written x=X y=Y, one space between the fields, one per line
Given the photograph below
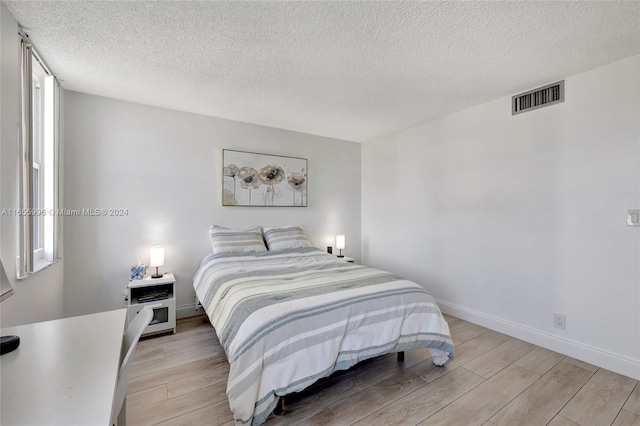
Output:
x=9 y=344
x=340 y=255
x=157 y=275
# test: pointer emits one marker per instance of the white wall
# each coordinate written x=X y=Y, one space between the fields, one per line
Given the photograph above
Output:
x=508 y=220
x=39 y=297
x=165 y=167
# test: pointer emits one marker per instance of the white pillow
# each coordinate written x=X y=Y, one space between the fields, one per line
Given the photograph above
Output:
x=225 y=240
x=286 y=237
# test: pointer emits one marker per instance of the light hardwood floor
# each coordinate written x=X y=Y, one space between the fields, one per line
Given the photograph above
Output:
x=495 y=380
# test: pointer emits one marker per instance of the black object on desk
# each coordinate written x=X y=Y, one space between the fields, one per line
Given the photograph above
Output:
x=9 y=344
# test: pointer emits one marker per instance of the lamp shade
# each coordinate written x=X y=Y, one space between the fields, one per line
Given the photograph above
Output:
x=156 y=256
x=340 y=242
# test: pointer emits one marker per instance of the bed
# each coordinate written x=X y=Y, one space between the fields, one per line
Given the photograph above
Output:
x=287 y=318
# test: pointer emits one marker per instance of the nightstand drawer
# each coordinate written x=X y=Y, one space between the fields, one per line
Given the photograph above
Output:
x=164 y=315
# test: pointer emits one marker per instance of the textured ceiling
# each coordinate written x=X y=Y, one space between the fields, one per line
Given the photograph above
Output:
x=348 y=70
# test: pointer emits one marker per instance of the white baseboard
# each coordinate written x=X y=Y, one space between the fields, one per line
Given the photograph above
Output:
x=598 y=357
x=186 y=311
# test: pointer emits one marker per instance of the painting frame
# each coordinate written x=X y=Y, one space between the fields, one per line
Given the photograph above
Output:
x=252 y=179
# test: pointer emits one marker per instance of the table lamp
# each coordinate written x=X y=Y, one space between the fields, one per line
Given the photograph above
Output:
x=156 y=259
x=340 y=240
x=8 y=343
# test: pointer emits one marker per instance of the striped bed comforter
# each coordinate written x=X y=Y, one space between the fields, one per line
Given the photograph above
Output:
x=289 y=318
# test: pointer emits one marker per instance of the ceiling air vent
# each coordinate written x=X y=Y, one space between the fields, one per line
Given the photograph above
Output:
x=538 y=98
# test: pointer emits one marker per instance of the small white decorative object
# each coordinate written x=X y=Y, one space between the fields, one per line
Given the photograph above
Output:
x=138 y=271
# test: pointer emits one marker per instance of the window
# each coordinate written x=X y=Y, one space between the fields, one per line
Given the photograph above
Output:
x=37 y=113
x=38 y=164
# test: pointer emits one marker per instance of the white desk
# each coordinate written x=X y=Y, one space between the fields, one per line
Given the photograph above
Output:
x=64 y=372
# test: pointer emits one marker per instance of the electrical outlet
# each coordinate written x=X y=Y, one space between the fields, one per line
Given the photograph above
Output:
x=560 y=321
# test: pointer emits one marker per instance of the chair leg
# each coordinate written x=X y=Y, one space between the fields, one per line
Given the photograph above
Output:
x=122 y=416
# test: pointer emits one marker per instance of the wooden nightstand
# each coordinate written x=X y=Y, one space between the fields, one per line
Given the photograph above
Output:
x=158 y=293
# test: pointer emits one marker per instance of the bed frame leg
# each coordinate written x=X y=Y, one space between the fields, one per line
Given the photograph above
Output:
x=279 y=406
x=400 y=356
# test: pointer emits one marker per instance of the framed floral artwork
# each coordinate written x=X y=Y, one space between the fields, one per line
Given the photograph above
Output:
x=262 y=180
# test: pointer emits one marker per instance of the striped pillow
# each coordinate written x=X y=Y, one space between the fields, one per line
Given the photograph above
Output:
x=286 y=237
x=225 y=240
